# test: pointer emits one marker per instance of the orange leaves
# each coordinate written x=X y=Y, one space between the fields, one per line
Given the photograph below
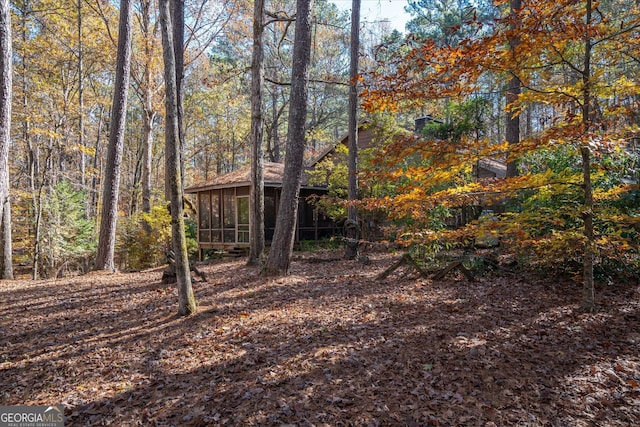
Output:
x=454 y=55
x=576 y=89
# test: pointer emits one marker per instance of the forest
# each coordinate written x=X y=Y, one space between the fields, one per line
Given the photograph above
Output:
x=489 y=218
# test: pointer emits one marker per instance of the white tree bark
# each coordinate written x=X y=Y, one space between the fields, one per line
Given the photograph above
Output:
x=6 y=52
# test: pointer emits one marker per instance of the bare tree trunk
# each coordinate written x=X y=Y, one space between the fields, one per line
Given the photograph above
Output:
x=5 y=98
x=148 y=112
x=33 y=150
x=134 y=185
x=81 y=142
x=256 y=223
x=177 y=20
x=512 y=128
x=351 y=228
x=273 y=133
x=283 y=238
x=38 y=184
x=186 y=299
x=176 y=16
x=147 y=157
x=93 y=205
x=7 y=260
x=588 y=291
x=275 y=136
x=6 y=53
x=107 y=238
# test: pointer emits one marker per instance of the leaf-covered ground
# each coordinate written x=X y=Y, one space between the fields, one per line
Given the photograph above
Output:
x=327 y=346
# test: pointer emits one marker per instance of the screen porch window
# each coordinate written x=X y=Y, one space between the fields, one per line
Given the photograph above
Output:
x=210 y=229
x=216 y=227
x=223 y=216
x=243 y=219
x=229 y=215
x=204 y=216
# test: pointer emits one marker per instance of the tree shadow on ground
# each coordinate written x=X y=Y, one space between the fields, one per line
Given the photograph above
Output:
x=342 y=348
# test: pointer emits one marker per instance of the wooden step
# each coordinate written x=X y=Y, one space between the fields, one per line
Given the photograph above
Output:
x=235 y=252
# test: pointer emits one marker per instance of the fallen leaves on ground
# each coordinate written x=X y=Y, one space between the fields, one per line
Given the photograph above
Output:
x=328 y=345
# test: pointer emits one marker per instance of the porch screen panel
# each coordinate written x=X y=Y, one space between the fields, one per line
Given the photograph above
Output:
x=243 y=219
x=204 y=216
x=306 y=229
x=269 y=213
x=216 y=226
x=229 y=215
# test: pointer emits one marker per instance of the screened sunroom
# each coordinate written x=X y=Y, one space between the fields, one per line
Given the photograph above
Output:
x=224 y=214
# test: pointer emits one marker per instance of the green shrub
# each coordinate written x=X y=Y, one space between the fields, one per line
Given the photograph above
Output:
x=143 y=239
x=67 y=238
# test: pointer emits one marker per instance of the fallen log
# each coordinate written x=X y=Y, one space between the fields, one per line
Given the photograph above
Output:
x=406 y=259
x=452 y=266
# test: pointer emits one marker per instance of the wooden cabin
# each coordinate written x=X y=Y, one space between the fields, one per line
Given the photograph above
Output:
x=365 y=140
x=224 y=214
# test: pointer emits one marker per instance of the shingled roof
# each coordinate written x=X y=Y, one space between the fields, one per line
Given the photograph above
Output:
x=273 y=174
x=365 y=137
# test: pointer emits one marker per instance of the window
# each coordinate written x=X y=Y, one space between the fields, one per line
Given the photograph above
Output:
x=243 y=219
x=216 y=232
x=229 y=208
x=215 y=209
x=204 y=210
x=229 y=215
x=204 y=216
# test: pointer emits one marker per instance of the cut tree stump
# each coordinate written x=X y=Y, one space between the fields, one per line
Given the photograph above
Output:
x=406 y=259
x=169 y=274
